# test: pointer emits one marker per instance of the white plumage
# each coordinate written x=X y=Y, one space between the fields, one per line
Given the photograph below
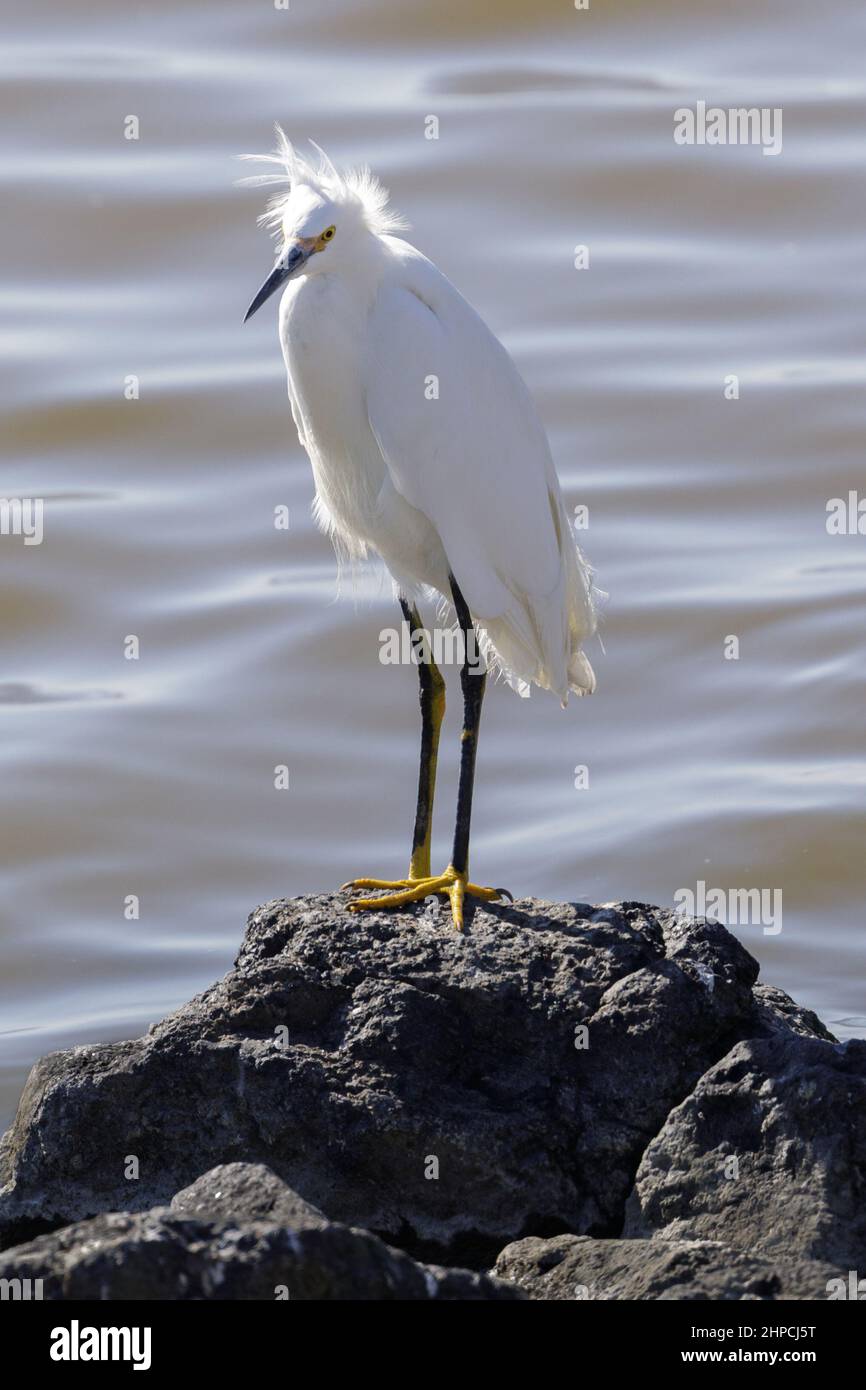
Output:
x=455 y=476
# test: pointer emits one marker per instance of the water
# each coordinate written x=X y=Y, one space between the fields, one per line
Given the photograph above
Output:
x=707 y=516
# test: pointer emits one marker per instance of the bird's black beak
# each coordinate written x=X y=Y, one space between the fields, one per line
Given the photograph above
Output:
x=290 y=261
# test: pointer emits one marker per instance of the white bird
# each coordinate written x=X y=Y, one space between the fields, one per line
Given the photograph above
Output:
x=457 y=494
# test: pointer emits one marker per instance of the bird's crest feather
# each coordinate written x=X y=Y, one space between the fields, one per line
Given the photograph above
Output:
x=358 y=188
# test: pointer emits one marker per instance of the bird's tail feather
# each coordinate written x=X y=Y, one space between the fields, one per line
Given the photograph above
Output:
x=540 y=641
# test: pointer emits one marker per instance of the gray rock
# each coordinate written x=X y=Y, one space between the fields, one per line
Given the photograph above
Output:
x=180 y=1254
x=246 y=1192
x=777 y=1013
x=354 y=1054
x=578 y=1267
x=768 y=1153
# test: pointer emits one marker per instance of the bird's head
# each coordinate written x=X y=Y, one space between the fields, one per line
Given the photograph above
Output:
x=324 y=221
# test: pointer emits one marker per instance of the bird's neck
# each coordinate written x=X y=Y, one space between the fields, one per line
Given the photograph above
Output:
x=362 y=273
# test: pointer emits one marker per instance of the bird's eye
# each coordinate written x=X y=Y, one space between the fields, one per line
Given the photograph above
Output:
x=328 y=233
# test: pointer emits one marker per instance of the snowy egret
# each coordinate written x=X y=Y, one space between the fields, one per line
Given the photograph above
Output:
x=454 y=488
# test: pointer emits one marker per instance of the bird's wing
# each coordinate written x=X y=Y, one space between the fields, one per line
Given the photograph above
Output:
x=462 y=440
x=297 y=417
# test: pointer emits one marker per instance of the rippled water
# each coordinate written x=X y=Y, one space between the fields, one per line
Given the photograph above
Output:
x=706 y=515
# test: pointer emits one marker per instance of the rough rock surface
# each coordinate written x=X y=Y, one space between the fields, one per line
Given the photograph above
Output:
x=768 y=1153
x=191 y=1251
x=359 y=1055
x=246 y=1192
x=610 y=1072
x=578 y=1267
x=778 y=1013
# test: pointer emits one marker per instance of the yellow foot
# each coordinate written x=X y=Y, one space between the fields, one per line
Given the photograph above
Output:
x=412 y=890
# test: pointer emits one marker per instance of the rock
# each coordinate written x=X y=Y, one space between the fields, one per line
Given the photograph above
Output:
x=448 y=1092
x=179 y=1254
x=778 y=1014
x=768 y=1153
x=246 y=1192
x=355 y=1055
x=578 y=1267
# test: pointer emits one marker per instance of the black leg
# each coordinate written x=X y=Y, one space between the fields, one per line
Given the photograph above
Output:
x=473 y=679
x=432 y=696
x=455 y=880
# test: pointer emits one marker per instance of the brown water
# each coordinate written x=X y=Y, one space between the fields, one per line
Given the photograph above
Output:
x=707 y=516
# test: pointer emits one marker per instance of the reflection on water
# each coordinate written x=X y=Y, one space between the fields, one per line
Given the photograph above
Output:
x=151 y=781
